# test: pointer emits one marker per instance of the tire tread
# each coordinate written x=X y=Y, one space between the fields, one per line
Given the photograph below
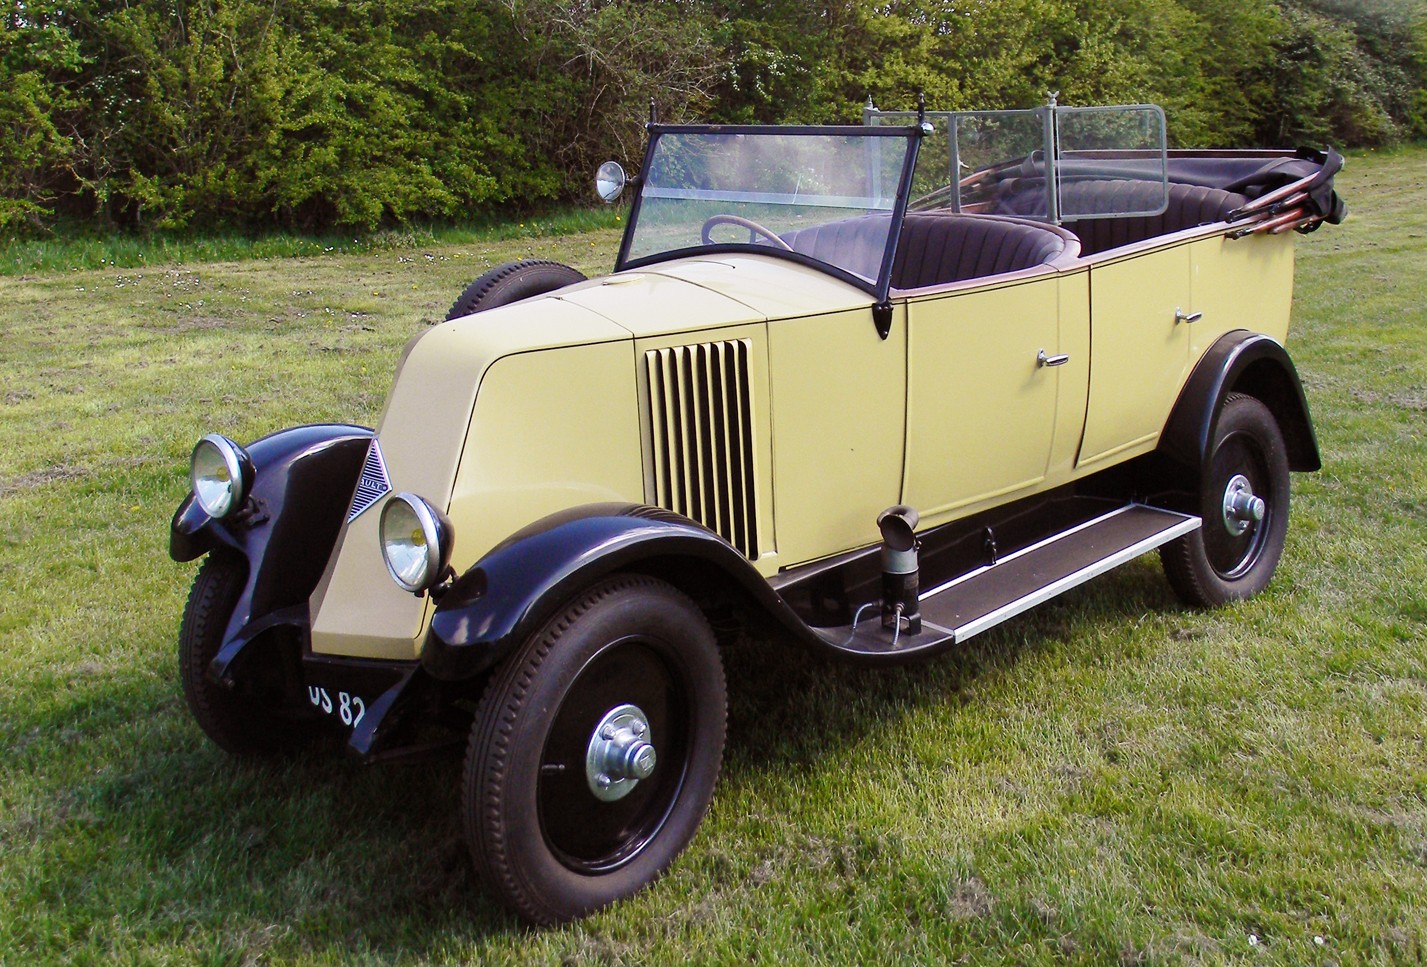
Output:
x=214 y=593
x=492 y=739
x=483 y=293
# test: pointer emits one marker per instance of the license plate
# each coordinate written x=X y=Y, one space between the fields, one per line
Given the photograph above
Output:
x=347 y=707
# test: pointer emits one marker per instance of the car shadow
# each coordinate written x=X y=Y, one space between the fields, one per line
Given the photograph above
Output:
x=814 y=706
x=133 y=822
x=372 y=861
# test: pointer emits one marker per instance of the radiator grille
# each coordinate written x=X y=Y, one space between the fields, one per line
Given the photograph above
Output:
x=701 y=422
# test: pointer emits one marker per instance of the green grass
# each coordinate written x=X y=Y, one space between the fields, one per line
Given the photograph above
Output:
x=83 y=250
x=1111 y=778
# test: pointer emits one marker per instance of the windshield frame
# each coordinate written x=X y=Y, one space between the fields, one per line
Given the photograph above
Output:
x=878 y=287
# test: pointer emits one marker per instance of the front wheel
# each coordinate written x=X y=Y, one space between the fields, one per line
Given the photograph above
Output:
x=595 y=752
x=1244 y=505
x=244 y=721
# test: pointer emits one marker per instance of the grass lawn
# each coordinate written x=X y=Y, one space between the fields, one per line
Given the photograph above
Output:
x=1111 y=778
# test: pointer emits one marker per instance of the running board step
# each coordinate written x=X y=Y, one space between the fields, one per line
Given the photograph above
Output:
x=985 y=597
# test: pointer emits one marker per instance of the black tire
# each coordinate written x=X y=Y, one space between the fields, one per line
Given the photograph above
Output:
x=542 y=842
x=1215 y=565
x=512 y=282
x=237 y=721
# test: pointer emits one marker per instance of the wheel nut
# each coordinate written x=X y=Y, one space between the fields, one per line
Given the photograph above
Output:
x=603 y=781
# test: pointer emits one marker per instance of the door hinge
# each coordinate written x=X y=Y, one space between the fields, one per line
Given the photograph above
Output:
x=882 y=319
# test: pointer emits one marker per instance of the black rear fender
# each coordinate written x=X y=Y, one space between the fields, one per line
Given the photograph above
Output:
x=1254 y=365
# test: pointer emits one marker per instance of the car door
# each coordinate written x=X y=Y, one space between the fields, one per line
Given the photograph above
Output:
x=1139 y=350
x=984 y=372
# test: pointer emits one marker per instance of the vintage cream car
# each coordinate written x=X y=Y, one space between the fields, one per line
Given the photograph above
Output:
x=875 y=387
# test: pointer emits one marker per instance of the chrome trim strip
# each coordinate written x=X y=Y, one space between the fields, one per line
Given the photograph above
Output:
x=1026 y=550
x=1044 y=594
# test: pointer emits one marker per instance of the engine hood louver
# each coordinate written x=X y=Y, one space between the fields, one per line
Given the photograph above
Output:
x=701 y=438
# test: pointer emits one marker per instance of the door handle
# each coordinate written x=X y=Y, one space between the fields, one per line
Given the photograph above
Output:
x=1043 y=360
x=1181 y=316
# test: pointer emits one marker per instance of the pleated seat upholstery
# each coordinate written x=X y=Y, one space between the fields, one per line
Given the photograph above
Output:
x=940 y=248
x=936 y=248
x=1188 y=207
x=854 y=243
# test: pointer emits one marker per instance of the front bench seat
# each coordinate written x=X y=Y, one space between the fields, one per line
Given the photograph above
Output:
x=937 y=248
x=852 y=243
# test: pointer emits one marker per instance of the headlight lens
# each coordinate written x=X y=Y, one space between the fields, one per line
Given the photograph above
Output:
x=221 y=473
x=416 y=542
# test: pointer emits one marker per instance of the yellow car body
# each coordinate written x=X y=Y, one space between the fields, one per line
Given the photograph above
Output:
x=509 y=415
x=874 y=403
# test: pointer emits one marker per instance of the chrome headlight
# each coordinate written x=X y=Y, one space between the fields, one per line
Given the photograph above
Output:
x=221 y=474
x=416 y=542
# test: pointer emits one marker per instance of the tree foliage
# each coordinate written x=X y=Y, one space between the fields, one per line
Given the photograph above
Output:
x=249 y=113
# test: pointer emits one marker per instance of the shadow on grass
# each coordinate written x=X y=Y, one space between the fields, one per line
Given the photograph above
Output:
x=814 y=707
x=318 y=854
x=138 y=833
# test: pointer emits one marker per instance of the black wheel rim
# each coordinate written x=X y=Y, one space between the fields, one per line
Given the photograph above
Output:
x=1234 y=555
x=593 y=836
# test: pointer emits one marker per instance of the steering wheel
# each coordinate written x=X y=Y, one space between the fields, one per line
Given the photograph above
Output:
x=754 y=230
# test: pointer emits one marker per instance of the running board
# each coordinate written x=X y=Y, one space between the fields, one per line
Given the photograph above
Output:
x=983 y=598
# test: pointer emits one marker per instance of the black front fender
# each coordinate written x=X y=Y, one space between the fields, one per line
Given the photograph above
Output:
x=522 y=583
x=303 y=483
x=1249 y=363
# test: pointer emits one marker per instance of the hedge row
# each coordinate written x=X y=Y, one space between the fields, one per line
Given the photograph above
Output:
x=322 y=113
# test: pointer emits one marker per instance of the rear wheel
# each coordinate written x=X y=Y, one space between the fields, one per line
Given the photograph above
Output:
x=595 y=752
x=1244 y=505
x=512 y=282
x=239 y=720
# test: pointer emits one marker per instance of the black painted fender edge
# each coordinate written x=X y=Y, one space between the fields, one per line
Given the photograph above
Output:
x=302 y=486
x=1244 y=362
x=393 y=687
x=522 y=583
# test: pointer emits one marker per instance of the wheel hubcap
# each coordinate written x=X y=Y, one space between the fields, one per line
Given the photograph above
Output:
x=620 y=753
x=1241 y=507
x=632 y=683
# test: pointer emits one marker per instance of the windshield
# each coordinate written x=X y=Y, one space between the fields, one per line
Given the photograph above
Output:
x=822 y=194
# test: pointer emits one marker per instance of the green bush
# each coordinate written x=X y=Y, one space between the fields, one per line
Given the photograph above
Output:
x=35 y=154
x=321 y=115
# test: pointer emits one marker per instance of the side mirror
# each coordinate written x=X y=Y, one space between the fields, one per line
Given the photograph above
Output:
x=610 y=180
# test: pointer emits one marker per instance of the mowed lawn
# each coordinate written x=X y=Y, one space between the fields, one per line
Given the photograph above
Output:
x=1110 y=779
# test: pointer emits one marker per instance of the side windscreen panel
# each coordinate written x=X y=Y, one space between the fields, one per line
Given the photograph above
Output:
x=1111 y=162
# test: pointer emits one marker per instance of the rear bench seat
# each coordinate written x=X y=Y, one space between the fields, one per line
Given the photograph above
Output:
x=1189 y=207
